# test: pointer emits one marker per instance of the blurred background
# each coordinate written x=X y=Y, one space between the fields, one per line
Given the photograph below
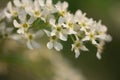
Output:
x=19 y=63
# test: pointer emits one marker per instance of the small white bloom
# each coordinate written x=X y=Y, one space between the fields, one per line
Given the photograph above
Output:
x=83 y=22
x=100 y=47
x=50 y=7
x=91 y=36
x=101 y=31
x=69 y=23
x=77 y=46
x=79 y=16
x=41 y=3
x=31 y=43
x=34 y=10
x=62 y=7
x=22 y=3
x=11 y=11
x=48 y=10
x=58 y=29
x=29 y=38
x=24 y=24
x=53 y=41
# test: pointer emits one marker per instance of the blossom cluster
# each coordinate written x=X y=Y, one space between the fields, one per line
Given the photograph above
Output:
x=31 y=19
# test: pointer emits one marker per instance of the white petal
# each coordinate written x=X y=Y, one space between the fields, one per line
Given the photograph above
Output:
x=77 y=53
x=27 y=2
x=101 y=36
x=22 y=16
x=94 y=42
x=98 y=55
x=58 y=6
x=52 y=22
x=83 y=29
x=65 y=5
x=58 y=46
x=48 y=33
x=16 y=24
x=86 y=38
x=71 y=31
x=73 y=46
x=41 y=2
x=20 y=31
x=43 y=19
x=31 y=20
x=8 y=15
x=48 y=2
x=104 y=28
x=50 y=45
x=64 y=25
x=17 y=3
x=78 y=13
x=9 y=6
x=83 y=48
x=62 y=37
x=53 y=33
x=108 y=38
x=29 y=45
x=36 y=5
x=61 y=20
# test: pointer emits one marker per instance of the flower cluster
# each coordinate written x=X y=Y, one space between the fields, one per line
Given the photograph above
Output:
x=31 y=19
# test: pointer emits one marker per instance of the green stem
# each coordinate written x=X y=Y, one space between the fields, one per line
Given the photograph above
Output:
x=72 y=38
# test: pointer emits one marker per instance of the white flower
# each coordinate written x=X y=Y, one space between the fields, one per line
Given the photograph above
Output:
x=47 y=6
x=69 y=23
x=79 y=16
x=62 y=7
x=48 y=10
x=34 y=10
x=11 y=11
x=77 y=46
x=41 y=3
x=22 y=3
x=83 y=22
x=50 y=7
x=100 y=47
x=101 y=31
x=91 y=36
x=30 y=37
x=24 y=24
x=53 y=41
x=58 y=29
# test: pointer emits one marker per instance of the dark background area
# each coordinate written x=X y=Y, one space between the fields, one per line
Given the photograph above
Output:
x=108 y=68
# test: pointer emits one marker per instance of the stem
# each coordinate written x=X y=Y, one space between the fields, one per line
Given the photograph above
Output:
x=72 y=38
